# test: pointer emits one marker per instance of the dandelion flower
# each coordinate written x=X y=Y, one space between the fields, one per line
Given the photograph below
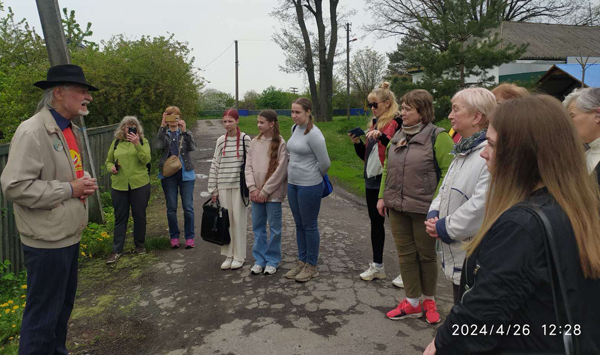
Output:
x=14 y=325
x=10 y=301
x=12 y=311
x=16 y=307
x=11 y=338
x=7 y=311
x=23 y=296
x=3 y=305
x=82 y=254
x=24 y=287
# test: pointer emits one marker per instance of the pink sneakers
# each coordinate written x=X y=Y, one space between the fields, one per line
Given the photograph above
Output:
x=189 y=244
x=405 y=310
x=431 y=313
x=174 y=243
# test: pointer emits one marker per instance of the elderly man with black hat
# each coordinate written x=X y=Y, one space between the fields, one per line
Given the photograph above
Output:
x=45 y=180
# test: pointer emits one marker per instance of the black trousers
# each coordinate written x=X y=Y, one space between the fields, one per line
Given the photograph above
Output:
x=122 y=200
x=377 y=225
x=51 y=288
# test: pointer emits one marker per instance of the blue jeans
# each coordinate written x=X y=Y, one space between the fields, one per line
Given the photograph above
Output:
x=186 y=189
x=51 y=289
x=305 y=203
x=266 y=252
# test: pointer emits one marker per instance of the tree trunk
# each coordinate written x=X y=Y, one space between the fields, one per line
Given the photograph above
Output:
x=308 y=57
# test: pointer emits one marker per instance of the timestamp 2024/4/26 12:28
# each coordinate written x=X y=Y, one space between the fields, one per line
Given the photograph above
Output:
x=513 y=330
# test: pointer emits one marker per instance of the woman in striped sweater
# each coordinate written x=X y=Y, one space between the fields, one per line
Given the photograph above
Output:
x=224 y=185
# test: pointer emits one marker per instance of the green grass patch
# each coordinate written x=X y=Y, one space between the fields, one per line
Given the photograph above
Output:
x=346 y=167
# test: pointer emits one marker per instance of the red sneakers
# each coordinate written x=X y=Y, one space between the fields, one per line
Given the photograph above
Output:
x=405 y=310
x=431 y=313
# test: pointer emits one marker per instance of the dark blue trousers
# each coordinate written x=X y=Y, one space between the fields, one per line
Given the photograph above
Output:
x=51 y=288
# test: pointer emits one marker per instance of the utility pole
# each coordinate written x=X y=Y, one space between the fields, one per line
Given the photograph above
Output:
x=237 y=84
x=294 y=90
x=58 y=53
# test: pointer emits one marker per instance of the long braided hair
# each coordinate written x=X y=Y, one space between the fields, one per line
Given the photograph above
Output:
x=271 y=116
x=233 y=114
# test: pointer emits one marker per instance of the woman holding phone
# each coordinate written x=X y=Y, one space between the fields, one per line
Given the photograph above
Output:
x=174 y=139
x=386 y=121
x=127 y=157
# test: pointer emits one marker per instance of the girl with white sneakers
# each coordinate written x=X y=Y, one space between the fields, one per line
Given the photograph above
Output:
x=224 y=185
x=266 y=177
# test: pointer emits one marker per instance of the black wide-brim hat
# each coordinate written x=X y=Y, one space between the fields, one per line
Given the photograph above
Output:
x=62 y=74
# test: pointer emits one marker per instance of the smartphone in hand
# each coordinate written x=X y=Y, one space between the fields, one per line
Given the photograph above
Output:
x=117 y=165
x=357 y=131
x=133 y=130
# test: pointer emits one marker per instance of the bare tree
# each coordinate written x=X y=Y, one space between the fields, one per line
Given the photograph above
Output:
x=321 y=44
x=367 y=69
x=584 y=66
x=400 y=17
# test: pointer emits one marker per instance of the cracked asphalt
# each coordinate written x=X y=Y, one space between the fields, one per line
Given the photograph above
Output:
x=189 y=306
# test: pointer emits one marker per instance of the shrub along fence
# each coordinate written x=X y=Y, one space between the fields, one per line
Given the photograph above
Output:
x=100 y=139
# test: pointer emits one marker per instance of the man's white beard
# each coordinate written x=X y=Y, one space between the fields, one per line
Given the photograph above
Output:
x=83 y=113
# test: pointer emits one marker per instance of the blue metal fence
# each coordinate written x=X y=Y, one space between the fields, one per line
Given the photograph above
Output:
x=245 y=113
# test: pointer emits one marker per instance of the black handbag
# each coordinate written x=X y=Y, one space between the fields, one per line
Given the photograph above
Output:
x=243 y=187
x=215 y=223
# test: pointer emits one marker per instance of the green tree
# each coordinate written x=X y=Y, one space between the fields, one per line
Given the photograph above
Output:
x=274 y=98
x=136 y=77
x=249 y=102
x=74 y=35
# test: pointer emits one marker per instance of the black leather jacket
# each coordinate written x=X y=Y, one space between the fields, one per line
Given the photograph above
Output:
x=163 y=143
x=506 y=282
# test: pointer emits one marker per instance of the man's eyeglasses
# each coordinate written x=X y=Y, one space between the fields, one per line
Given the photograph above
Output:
x=372 y=104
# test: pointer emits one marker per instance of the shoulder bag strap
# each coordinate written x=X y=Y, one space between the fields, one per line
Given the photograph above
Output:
x=554 y=264
x=438 y=171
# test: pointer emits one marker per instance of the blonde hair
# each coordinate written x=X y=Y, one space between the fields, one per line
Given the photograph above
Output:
x=509 y=91
x=527 y=156
x=128 y=121
x=173 y=110
x=478 y=100
x=382 y=94
x=422 y=101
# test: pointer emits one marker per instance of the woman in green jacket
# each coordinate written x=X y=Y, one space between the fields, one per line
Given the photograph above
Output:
x=127 y=160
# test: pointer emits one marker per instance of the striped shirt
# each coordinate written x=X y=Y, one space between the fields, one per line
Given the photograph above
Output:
x=225 y=169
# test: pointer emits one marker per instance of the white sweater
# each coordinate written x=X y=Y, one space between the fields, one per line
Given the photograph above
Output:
x=225 y=168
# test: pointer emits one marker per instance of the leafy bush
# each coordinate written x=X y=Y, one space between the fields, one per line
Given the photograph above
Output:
x=138 y=77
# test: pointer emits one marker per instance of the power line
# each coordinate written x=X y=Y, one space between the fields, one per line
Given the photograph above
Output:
x=203 y=68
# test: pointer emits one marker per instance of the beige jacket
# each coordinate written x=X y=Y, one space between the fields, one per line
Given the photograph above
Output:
x=257 y=165
x=36 y=180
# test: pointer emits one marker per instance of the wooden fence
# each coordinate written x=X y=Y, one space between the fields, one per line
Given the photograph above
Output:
x=100 y=139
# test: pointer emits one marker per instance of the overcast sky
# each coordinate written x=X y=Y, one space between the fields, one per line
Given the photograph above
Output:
x=210 y=27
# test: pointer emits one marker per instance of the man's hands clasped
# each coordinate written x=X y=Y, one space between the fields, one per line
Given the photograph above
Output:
x=83 y=187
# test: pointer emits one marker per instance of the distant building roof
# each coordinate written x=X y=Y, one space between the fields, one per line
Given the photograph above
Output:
x=552 y=41
x=561 y=79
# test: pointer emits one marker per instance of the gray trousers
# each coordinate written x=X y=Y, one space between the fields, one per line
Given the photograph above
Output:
x=122 y=200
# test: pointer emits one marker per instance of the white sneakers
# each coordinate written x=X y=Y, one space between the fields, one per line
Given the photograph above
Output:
x=226 y=264
x=270 y=270
x=236 y=264
x=256 y=269
x=229 y=263
x=373 y=273
x=398 y=282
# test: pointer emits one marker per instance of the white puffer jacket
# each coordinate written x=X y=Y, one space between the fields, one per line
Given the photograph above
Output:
x=460 y=206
